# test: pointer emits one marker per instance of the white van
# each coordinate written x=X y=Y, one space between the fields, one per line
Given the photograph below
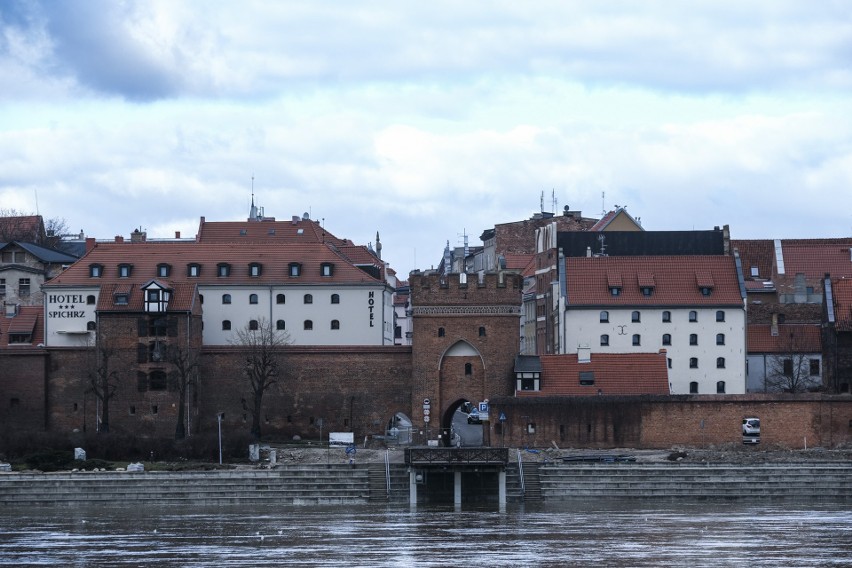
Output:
x=751 y=430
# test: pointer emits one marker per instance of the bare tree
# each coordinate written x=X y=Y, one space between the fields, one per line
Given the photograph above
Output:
x=790 y=370
x=185 y=362
x=103 y=380
x=263 y=346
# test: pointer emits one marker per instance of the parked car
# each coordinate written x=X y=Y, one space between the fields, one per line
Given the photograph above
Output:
x=751 y=430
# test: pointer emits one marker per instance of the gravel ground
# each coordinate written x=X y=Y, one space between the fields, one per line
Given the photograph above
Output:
x=719 y=454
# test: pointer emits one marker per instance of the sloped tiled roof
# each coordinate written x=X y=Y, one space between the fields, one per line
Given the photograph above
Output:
x=275 y=260
x=183 y=296
x=614 y=374
x=842 y=292
x=759 y=253
x=805 y=339
x=676 y=280
x=606 y=220
x=295 y=231
x=28 y=320
x=22 y=228
x=814 y=258
x=43 y=254
x=518 y=261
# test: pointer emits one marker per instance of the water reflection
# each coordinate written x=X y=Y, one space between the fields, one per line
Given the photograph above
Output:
x=569 y=534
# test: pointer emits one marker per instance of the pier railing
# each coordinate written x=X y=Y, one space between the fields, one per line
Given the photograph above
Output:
x=456 y=456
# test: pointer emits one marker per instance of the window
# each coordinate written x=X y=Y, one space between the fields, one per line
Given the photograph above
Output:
x=809 y=290
x=335 y=298
x=667 y=339
x=604 y=340
x=635 y=317
x=163 y=270
x=720 y=339
x=720 y=362
x=252 y=298
x=720 y=315
x=788 y=367
x=637 y=339
x=647 y=291
x=754 y=272
x=720 y=387
x=669 y=362
x=223 y=269
x=255 y=269
x=335 y=324
x=693 y=387
x=23 y=287
x=693 y=339
x=705 y=291
x=604 y=317
x=309 y=325
x=615 y=291
x=295 y=269
x=226 y=325
x=124 y=270
x=309 y=299
x=693 y=316
x=481 y=331
x=157 y=381
x=90 y=300
x=279 y=325
x=587 y=378
x=468 y=369
x=326 y=269
x=2 y=286
x=193 y=270
x=90 y=326
x=253 y=325
x=814 y=363
x=121 y=299
x=96 y=270
x=280 y=299
x=441 y=332
x=156 y=352
x=693 y=362
x=782 y=318
x=226 y=298
x=667 y=317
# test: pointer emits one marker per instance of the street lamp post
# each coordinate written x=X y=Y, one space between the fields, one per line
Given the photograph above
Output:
x=219 y=420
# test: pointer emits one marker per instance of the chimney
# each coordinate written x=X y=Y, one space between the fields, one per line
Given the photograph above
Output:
x=119 y=239
x=177 y=234
x=774 y=328
x=90 y=243
x=584 y=354
x=138 y=236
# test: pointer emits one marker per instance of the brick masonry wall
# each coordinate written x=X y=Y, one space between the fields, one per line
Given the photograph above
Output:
x=662 y=422
x=22 y=389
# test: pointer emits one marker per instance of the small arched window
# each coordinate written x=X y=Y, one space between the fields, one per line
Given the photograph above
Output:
x=280 y=299
x=693 y=316
x=667 y=339
x=90 y=326
x=481 y=331
x=90 y=300
x=693 y=387
x=226 y=298
x=280 y=325
x=604 y=340
x=309 y=299
x=693 y=362
x=226 y=325
x=636 y=317
x=637 y=339
x=252 y=298
x=309 y=325
x=604 y=315
x=720 y=387
x=468 y=369
x=693 y=339
x=335 y=324
x=720 y=362
x=335 y=298
x=720 y=339
x=253 y=325
x=720 y=315
x=441 y=332
x=667 y=316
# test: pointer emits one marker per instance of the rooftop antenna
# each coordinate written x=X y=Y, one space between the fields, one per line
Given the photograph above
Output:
x=603 y=203
x=541 y=202
x=553 y=200
x=602 y=239
x=253 y=209
x=36 y=199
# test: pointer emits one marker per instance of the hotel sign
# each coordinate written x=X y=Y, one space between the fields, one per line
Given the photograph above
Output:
x=66 y=306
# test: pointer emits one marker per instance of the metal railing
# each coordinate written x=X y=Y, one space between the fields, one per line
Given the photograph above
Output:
x=521 y=473
x=387 y=471
x=456 y=456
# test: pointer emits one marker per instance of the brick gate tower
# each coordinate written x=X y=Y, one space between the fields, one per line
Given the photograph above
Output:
x=466 y=337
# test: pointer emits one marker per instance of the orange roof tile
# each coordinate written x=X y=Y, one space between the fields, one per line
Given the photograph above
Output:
x=817 y=257
x=676 y=280
x=297 y=230
x=29 y=320
x=842 y=292
x=796 y=338
x=614 y=374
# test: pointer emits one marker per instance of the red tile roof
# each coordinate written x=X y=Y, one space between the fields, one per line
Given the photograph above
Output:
x=817 y=257
x=295 y=231
x=518 y=261
x=676 y=278
x=27 y=228
x=759 y=253
x=28 y=320
x=274 y=258
x=805 y=338
x=614 y=374
x=842 y=292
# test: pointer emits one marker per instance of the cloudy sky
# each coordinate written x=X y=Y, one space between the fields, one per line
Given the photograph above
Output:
x=428 y=120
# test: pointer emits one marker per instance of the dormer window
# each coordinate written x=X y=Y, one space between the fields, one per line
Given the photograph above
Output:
x=647 y=291
x=705 y=291
x=295 y=269
x=124 y=270
x=163 y=270
x=614 y=290
x=122 y=299
x=326 y=269
x=156 y=297
x=223 y=269
x=96 y=270
x=193 y=270
x=255 y=269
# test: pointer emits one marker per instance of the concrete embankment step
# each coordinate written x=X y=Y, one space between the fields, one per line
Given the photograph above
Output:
x=829 y=481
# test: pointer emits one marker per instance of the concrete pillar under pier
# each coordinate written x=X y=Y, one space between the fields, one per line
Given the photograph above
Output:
x=412 y=487
x=502 y=487
x=457 y=488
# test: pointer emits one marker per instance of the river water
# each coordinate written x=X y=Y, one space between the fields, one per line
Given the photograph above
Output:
x=624 y=533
